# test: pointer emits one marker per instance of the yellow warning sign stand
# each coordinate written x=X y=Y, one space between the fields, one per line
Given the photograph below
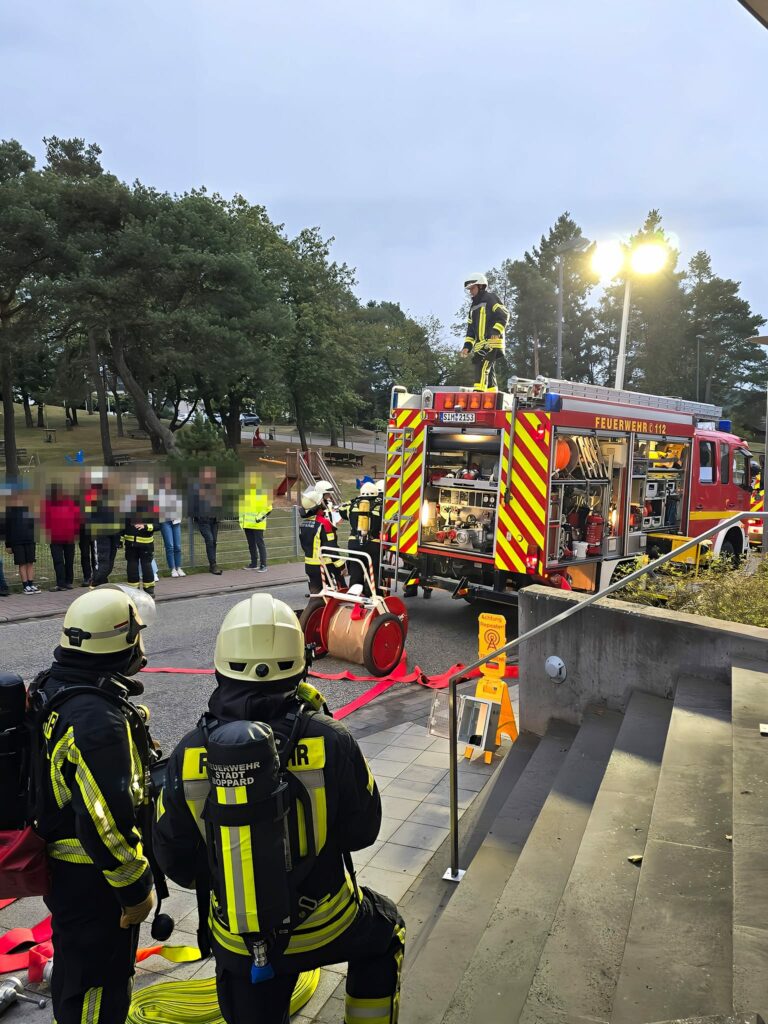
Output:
x=491 y=685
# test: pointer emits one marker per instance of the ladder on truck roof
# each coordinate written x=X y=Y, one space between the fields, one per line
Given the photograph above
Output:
x=600 y=393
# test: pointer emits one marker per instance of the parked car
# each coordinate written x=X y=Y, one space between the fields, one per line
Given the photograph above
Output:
x=250 y=419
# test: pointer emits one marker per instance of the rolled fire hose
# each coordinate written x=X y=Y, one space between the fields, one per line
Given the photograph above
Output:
x=195 y=1002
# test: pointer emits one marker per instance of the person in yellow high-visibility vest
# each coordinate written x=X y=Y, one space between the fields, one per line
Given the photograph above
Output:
x=253 y=508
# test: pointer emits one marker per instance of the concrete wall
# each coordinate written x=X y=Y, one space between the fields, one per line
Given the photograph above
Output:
x=613 y=648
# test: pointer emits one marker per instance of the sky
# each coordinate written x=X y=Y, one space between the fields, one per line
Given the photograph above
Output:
x=431 y=138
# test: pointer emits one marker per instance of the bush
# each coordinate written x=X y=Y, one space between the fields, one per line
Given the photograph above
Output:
x=719 y=591
x=202 y=444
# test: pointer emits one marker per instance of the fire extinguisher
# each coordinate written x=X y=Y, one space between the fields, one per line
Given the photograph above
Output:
x=594 y=533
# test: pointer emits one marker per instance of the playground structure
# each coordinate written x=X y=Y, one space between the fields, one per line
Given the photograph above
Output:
x=302 y=470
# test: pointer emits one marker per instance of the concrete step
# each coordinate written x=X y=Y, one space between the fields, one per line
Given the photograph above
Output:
x=749 y=708
x=495 y=984
x=580 y=963
x=433 y=976
x=678 y=956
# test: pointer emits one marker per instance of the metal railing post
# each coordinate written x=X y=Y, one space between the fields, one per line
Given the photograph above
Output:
x=191 y=538
x=455 y=872
x=296 y=542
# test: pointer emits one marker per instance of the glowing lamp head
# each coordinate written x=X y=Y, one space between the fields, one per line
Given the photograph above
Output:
x=649 y=258
x=608 y=260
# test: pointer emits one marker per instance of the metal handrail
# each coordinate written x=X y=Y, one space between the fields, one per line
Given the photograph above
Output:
x=573 y=610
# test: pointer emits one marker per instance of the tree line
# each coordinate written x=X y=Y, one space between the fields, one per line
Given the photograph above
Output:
x=177 y=304
x=688 y=327
x=187 y=302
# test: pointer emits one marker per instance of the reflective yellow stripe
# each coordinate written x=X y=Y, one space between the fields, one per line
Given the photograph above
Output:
x=301 y=828
x=60 y=789
x=372 y=1011
x=371 y=781
x=126 y=874
x=234 y=943
x=328 y=908
x=711 y=515
x=306 y=941
x=69 y=850
x=91 y=1006
x=100 y=814
x=481 y=324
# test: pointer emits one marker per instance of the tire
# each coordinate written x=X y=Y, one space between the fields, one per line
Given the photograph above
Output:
x=309 y=621
x=384 y=643
x=728 y=551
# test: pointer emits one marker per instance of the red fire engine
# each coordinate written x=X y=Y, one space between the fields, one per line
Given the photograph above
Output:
x=551 y=482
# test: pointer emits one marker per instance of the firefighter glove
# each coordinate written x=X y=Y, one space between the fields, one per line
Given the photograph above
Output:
x=138 y=913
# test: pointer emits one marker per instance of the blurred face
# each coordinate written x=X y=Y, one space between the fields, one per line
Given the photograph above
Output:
x=473 y=290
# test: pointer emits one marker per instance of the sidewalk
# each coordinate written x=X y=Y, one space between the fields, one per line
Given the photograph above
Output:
x=23 y=607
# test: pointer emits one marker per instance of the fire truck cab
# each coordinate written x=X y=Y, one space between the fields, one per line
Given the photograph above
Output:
x=552 y=482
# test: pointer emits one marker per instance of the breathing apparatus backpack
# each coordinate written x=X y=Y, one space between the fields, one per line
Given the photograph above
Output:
x=253 y=874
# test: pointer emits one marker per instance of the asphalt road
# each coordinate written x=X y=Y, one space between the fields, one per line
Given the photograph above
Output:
x=441 y=632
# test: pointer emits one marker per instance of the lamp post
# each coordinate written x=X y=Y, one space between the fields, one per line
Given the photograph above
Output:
x=699 y=339
x=610 y=260
x=763 y=340
x=577 y=244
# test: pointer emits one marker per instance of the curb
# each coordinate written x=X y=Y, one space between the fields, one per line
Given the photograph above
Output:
x=231 y=588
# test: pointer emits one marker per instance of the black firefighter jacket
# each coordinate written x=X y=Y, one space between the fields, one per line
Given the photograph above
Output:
x=346 y=811
x=92 y=790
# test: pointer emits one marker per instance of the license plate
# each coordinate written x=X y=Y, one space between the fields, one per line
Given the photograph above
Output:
x=457 y=417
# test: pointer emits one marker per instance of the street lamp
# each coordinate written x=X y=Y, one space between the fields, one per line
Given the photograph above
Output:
x=577 y=244
x=644 y=259
x=699 y=339
x=763 y=340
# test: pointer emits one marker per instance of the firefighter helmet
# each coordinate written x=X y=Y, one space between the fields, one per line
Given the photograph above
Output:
x=475 y=279
x=368 y=489
x=106 y=620
x=261 y=641
x=379 y=486
x=313 y=496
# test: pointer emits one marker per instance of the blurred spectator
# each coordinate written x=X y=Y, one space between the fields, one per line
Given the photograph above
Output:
x=61 y=521
x=204 y=507
x=20 y=528
x=169 y=503
x=139 y=541
x=104 y=528
x=86 y=542
x=253 y=508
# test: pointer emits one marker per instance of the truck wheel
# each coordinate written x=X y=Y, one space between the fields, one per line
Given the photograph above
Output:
x=383 y=645
x=310 y=620
x=728 y=551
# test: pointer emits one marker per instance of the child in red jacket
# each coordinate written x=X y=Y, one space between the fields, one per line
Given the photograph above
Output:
x=61 y=521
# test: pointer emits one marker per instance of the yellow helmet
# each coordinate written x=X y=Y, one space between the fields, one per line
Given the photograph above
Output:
x=104 y=621
x=261 y=641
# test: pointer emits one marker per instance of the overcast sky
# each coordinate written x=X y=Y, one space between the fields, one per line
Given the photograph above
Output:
x=430 y=137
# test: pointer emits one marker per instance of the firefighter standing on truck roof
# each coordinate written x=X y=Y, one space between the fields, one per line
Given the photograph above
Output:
x=487 y=321
x=277 y=912
x=364 y=514
x=317 y=530
x=90 y=781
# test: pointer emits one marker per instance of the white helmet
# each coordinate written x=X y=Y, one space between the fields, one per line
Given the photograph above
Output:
x=368 y=489
x=475 y=279
x=261 y=641
x=380 y=484
x=106 y=620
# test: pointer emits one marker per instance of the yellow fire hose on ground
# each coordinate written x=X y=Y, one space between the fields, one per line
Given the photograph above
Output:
x=195 y=1002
